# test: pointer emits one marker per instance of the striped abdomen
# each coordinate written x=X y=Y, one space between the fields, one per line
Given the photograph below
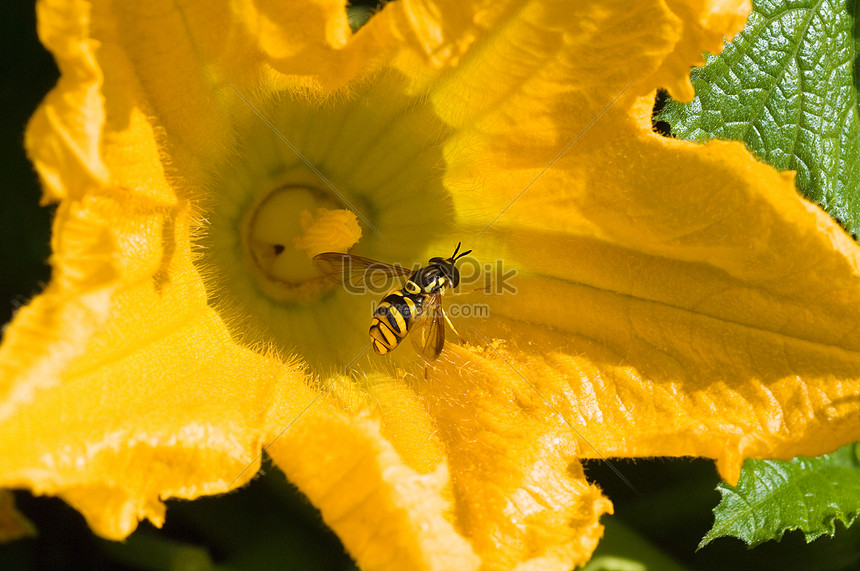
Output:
x=392 y=319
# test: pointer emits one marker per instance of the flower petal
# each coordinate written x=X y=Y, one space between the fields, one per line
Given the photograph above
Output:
x=521 y=493
x=155 y=403
x=124 y=384
x=708 y=277
x=683 y=280
x=388 y=515
x=64 y=135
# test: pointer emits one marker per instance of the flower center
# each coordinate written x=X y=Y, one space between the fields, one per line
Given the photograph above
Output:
x=361 y=173
x=283 y=233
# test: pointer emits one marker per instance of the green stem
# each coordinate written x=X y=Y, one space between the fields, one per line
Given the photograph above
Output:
x=622 y=549
x=145 y=550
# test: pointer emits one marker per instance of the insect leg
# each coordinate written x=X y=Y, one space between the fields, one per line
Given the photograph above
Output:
x=451 y=325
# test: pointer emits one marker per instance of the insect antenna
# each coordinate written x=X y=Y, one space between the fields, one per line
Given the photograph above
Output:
x=455 y=257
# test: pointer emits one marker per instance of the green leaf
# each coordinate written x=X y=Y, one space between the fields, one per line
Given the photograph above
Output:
x=772 y=497
x=786 y=87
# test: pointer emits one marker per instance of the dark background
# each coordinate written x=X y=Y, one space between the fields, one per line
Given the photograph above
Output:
x=28 y=73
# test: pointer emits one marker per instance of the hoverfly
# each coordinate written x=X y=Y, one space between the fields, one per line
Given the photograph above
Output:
x=416 y=307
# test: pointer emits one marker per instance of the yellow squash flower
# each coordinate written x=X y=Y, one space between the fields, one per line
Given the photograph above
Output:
x=671 y=299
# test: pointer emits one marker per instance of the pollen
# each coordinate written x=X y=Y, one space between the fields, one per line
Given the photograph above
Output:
x=327 y=231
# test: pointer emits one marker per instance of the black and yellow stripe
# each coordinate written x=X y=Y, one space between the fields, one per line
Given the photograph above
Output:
x=392 y=318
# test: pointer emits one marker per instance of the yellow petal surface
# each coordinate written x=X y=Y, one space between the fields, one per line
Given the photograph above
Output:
x=146 y=405
x=389 y=515
x=521 y=495
x=64 y=136
x=692 y=284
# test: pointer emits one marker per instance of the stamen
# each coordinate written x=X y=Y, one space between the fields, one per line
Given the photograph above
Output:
x=327 y=231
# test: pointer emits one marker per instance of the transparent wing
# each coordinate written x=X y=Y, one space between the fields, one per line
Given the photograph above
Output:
x=355 y=271
x=428 y=333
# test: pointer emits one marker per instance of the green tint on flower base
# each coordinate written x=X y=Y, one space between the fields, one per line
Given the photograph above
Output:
x=369 y=181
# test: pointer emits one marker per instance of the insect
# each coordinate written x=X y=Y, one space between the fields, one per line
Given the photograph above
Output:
x=416 y=307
